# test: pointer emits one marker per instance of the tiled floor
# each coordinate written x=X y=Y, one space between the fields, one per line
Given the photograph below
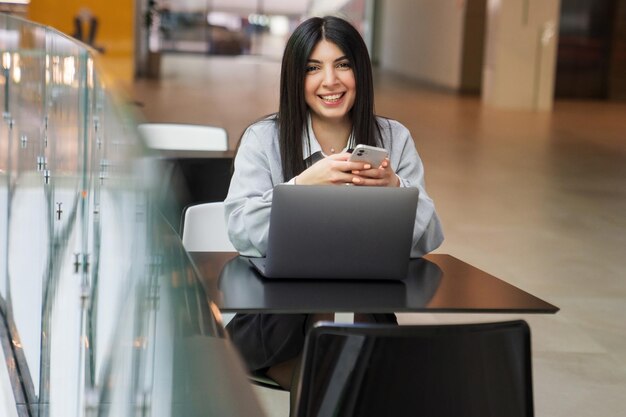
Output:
x=537 y=199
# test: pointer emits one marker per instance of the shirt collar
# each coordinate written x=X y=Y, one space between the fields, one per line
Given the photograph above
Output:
x=310 y=145
x=308 y=138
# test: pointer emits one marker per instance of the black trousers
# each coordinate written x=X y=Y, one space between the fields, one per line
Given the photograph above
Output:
x=265 y=340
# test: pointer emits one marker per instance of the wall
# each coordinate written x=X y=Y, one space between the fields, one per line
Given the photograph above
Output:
x=422 y=39
x=504 y=48
x=115 y=33
x=520 y=53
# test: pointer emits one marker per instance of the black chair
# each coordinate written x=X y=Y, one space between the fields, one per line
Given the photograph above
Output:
x=462 y=370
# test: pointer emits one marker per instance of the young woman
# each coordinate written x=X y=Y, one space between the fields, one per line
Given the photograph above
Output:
x=326 y=108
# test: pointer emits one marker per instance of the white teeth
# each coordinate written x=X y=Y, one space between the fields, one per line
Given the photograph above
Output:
x=332 y=97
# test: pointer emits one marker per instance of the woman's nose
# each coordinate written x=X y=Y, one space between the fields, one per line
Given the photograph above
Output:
x=330 y=77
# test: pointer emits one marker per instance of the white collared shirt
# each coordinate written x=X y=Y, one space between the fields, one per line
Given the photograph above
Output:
x=311 y=146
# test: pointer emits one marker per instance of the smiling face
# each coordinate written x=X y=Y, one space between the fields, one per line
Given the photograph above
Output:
x=329 y=84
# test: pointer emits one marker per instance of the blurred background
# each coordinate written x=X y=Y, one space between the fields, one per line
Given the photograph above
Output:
x=517 y=108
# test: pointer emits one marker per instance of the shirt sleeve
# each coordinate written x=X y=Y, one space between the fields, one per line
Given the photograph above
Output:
x=427 y=232
x=249 y=200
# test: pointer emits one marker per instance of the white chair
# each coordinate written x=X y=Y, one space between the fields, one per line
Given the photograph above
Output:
x=204 y=230
x=184 y=137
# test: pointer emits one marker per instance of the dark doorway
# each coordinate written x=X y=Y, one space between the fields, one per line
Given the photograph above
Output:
x=584 y=51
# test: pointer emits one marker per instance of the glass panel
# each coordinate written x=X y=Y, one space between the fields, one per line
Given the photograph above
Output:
x=27 y=203
x=106 y=315
x=67 y=93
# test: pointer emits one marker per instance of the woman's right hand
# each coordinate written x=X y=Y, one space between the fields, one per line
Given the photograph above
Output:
x=334 y=169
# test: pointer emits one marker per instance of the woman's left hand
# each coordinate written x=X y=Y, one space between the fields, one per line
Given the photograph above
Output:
x=384 y=176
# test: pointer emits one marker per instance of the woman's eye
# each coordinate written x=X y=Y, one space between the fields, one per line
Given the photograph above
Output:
x=310 y=68
x=343 y=65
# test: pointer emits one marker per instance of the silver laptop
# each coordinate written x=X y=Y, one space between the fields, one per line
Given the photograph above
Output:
x=340 y=232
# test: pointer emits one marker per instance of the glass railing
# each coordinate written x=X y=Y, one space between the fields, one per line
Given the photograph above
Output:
x=102 y=312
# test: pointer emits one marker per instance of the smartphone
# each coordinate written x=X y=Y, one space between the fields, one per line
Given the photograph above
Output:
x=370 y=154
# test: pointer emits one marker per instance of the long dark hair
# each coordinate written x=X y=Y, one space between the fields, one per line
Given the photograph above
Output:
x=292 y=111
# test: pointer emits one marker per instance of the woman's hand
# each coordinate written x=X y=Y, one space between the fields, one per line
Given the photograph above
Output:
x=334 y=169
x=384 y=176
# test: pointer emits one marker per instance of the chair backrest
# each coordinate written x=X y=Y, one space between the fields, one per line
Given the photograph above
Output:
x=204 y=228
x=184 y=137
x=437 y=370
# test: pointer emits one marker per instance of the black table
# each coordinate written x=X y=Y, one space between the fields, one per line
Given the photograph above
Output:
x=439 y=283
